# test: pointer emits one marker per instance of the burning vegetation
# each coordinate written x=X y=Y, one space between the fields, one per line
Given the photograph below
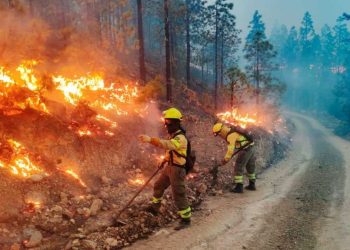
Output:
x=235 y=118
x=15 y=158
x=69 y=120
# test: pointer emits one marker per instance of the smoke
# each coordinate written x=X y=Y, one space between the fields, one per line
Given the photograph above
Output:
x=152 y=120
x=67 y=51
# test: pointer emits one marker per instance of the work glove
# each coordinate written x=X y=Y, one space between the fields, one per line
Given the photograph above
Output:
x=144 y=138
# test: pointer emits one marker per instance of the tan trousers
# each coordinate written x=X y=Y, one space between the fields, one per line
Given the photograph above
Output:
x=174 y=176
x=245 y=160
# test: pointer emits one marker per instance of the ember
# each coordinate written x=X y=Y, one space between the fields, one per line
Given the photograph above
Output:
x=32 y=206
x=136 y=181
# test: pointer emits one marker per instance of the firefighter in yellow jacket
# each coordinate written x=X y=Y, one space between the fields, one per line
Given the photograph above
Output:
x=174 y=173
x=245 y=158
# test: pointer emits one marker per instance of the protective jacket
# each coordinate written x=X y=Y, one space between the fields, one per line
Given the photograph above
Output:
x=175 y=146
x=234 y=140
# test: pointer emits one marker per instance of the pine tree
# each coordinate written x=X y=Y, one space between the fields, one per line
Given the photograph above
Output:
x=194 y=24
x=237 y=79
x=167 y=51
x=141 y=41
x=342 y=92
x=307 y=35
x=341 y=42
x=278 y=38
x=291 y=47
x=222 y=23
x=327 y=43
x=259 y=53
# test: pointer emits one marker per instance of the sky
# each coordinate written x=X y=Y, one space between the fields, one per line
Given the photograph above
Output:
x=289 y=12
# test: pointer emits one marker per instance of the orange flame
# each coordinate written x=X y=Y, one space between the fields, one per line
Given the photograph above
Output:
x=91 y=89
x=27 y=75
x=137 y=181
x=75 y=176
x=84 y=132
x=235 y=118
x=75 y=90
x=20 y=163
x=23 y=79
x=104 y=119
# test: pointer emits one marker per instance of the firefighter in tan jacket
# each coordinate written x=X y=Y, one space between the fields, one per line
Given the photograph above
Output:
x=245 y=158
x=174 y=173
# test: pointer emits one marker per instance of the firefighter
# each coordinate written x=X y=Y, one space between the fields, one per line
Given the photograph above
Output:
x=245 y=158
x=174 y=173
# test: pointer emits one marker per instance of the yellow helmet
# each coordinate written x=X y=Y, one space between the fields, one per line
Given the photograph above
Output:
x=217 y=127
x=172 y=113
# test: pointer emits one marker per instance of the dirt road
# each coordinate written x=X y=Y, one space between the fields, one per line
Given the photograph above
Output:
x=302 y=203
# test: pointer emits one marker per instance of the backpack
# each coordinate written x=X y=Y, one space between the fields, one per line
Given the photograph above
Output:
x=249 y=132
x=190 y=154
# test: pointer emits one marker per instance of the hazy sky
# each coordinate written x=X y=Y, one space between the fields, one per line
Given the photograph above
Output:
x=289 y=12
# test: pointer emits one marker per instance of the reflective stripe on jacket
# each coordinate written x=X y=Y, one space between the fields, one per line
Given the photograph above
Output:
x=178 y=144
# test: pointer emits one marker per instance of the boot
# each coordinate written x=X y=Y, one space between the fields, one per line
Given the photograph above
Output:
x=153 y=208
x=251 y=185
x=238 y=188
x=183 y=224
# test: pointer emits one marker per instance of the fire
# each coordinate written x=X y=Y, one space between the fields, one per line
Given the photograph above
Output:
x=137 y=181
x=109 y=133
x=19 y=162
x=32 y=206
x=84 y=132
x=75 y=176
x=73 y=88
x=90 y=89
x=104 y=119
x=22 y=79
x=27 y=75
x=235 y=118
x=5 y=78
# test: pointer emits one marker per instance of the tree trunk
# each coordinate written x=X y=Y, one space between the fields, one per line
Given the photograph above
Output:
x=167 y=51
x=202 y=71
x=257 y=77
x=232 y=93
x=141 y=42
x=172 y=43
x=222 y=60
x=216 y=59
x=11 y=4
x=31 y=9
x=188 y=44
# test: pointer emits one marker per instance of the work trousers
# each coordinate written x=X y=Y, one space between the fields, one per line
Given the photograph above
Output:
x=174 y=176
x=245 y=159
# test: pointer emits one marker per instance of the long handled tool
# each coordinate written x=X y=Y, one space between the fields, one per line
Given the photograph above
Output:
x=160 y=167
x=215 y=170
